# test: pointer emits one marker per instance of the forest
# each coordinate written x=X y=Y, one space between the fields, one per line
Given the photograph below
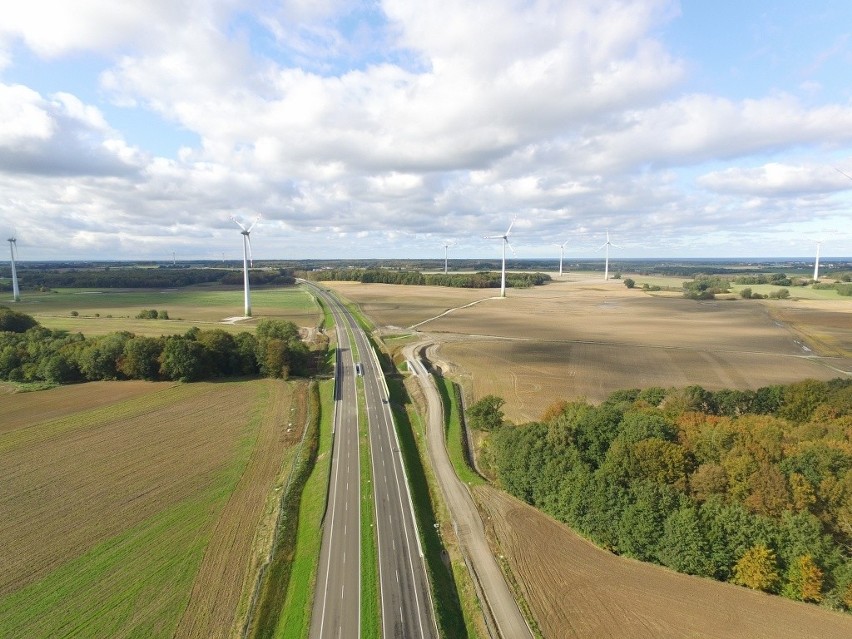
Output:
x=749 y=487
x=44 y=279
x=484 y=279
x=30 y=352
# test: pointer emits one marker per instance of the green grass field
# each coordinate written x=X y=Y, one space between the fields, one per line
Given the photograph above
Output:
x=107 y=311
x=137 y=582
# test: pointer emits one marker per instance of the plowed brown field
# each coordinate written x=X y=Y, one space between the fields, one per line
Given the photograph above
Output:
x=116 y=498
x=588 y=338
x=577 y=590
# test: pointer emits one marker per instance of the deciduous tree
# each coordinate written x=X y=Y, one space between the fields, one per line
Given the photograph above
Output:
x=757 y=569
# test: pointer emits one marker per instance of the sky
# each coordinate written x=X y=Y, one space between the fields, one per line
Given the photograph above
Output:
x=386 y=129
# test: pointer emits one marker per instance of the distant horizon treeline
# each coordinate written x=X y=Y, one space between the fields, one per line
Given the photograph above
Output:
x=484 y=279
x=30 y=352
x=165 y=277
x=750 y=487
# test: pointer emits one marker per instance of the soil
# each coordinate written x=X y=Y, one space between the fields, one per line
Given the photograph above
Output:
x=577 y=590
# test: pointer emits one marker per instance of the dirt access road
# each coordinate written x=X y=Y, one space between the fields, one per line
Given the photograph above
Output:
x=499 y=606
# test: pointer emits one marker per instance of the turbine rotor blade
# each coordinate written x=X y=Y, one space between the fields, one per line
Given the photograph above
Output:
x=842 y=173
x=238 y=223
x=253 y=224
x=251 y=259
x=510 y=246
x=509 y=230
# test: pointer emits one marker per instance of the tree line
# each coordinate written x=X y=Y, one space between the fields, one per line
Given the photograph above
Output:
x=117 y=277
x=483 y=279
x=749 y=487
x=30 y=352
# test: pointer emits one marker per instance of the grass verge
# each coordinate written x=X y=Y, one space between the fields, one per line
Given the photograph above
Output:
x=294 y=622
x=370 y=615
x=276 y=576
x=453 y=428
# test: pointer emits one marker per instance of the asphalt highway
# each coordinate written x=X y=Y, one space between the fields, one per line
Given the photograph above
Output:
x=405 y=599
x=337 y=598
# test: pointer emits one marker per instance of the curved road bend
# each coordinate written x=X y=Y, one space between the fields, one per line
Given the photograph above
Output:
x=499 y=603
x=406 y=605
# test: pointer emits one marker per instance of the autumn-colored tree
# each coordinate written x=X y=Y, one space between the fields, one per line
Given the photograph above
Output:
x=709 y=479
x=768 y=492
x=554 y=410
x=804 y=580
x=802 y=492
x=757 y=569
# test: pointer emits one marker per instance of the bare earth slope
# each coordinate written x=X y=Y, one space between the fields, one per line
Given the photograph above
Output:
x=578 y=590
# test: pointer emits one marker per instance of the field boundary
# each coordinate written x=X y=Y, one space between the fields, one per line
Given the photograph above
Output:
x=263 y=614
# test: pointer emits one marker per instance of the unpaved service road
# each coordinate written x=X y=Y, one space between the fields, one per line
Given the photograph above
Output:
x=500 y=606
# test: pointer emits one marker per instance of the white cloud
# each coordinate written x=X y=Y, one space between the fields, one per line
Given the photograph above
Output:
x=60 y=135
x=775 y=179
x=400 y=117
x=698 y=128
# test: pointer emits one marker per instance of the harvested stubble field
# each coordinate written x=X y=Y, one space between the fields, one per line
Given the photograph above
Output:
x=587 y=338
x=138 y=516
x=398 y=307
x=577 y=590
x=108 y=311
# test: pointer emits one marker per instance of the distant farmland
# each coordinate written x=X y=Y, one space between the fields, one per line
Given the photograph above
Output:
x=99 y=312
x=132 y=509
x=588 y=338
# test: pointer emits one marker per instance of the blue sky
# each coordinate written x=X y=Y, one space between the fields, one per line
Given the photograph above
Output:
x=383 y=129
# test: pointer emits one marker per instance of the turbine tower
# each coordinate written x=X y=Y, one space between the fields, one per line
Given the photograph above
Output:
x=561 y=252
x=505 y=238
x=816 y=263
x=607 y=244
x=246 y=233
x=16 y=292
x=446 y=245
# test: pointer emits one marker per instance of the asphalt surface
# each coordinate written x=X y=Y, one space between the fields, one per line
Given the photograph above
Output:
x=337 y=598
x=502 y=615
x=405 y=599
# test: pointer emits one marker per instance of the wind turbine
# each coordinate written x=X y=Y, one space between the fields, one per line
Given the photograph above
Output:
x=607 y=244
x=16 y=292
x=505 y=238
x=816 y=263
x=561 y=252
x=447 y=245
x=246 y=232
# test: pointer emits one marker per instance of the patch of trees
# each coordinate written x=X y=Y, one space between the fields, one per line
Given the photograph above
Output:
x=777 y=279
x=113 y=277
x=705 y=287
x=750 y=487
x=40 y=354
x=483 y=279
x=151 y=313
x=841 y=288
